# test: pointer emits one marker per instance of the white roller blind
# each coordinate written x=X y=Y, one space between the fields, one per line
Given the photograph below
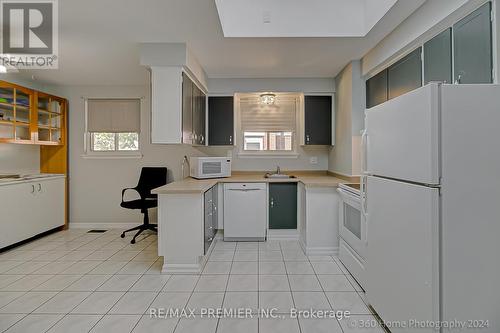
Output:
x=256 y=117
x=114 y=115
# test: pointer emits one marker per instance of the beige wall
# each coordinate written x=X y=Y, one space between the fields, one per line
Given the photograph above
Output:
x=96 y=184
x=344 y=157
x=340 y=155
x=15 y=158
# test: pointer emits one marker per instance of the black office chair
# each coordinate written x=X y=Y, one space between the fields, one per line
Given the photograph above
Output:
x=151 y=177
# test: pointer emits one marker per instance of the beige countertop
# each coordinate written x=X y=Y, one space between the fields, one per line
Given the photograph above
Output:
x=309 y=179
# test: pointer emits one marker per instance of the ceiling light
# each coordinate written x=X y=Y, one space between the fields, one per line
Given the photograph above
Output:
x=267 y=98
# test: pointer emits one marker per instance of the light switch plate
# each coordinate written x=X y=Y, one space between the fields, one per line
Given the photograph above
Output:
x=313 y=160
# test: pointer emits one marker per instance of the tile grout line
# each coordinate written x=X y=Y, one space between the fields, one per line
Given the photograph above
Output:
x=227 y=283
x=90 y=293
x=289 y=285
x=145 y=249
x=64 y=315
x=63 y=290
x=124 y=293
x=323 y=289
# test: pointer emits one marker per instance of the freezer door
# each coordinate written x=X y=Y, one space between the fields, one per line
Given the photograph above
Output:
x=402 y=137
x=402 y=252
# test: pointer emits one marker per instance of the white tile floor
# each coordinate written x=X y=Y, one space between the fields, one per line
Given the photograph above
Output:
x=73 y=281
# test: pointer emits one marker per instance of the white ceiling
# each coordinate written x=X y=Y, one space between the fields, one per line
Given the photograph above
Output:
x=299 y=18
x=99 y=43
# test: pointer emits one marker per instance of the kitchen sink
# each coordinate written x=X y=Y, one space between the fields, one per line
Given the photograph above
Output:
x=278 y=176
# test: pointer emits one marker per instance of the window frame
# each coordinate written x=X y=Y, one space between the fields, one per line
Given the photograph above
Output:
x=89 y=152
x=116 y=143
x=239 y=142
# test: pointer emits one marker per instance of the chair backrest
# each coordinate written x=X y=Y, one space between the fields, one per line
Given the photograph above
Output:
x=151 y=177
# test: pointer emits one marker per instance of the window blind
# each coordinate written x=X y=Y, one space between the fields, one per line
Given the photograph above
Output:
x=260 y=118
x=114 y=115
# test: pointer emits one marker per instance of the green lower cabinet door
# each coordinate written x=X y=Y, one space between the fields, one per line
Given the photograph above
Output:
x=283 y=206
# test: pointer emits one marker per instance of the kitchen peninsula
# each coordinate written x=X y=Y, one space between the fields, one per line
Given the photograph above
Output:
x=190 y=211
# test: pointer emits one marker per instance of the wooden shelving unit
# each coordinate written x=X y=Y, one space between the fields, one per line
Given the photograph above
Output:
x=32 y=117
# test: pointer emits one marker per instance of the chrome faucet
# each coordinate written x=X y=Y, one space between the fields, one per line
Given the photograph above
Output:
x=278 y=170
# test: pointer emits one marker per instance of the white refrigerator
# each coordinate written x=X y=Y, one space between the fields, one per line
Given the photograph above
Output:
x=431 y=198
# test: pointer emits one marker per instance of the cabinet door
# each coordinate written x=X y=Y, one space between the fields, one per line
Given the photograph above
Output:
x=376 y=89
x=215 y=208
x=405 y=75
x=472 y=47
x=19 y=218
x=283 y=206
x=198 y=116
x=16 y=105
x=50 y=201
x=187 y=110
x=208 y=219
x=202 y=119
x=437 y=58
x=318 y=120
x=196 y=121
x=50 y=115
x=220 y=120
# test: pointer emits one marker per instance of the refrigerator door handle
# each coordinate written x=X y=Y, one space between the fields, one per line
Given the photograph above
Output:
x=364 y=141
x=363 y=197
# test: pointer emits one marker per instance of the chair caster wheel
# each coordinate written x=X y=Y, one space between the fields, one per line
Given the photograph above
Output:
x=122 y=235
x=132 y=241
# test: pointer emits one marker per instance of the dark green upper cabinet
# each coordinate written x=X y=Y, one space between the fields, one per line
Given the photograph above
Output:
x=283 y=206
x=472 y=47
x=318 y=120
x=437 y=58
x=220 y=120
x=405 y=75
x=376 y=89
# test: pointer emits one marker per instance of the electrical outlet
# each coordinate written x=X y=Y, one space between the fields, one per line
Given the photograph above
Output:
x=313 y=160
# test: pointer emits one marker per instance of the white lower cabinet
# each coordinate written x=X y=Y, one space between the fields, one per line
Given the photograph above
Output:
x=30 y=208
x=318 y=216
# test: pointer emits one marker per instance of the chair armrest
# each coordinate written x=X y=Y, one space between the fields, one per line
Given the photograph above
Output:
x=128 y=188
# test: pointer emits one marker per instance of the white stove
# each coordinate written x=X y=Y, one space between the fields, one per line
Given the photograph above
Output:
x=352 y=228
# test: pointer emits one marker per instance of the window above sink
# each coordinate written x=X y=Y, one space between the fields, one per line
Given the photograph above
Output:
x=267 y=129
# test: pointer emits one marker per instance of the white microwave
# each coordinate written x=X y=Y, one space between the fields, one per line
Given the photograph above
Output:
x=210 y=167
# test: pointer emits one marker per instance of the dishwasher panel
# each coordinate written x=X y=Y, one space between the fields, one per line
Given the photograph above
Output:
x=245 y=211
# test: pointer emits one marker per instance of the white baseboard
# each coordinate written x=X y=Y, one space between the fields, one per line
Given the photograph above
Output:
x=282 y=234
x=182 y=268
x=320 y=251
x=104 y=225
